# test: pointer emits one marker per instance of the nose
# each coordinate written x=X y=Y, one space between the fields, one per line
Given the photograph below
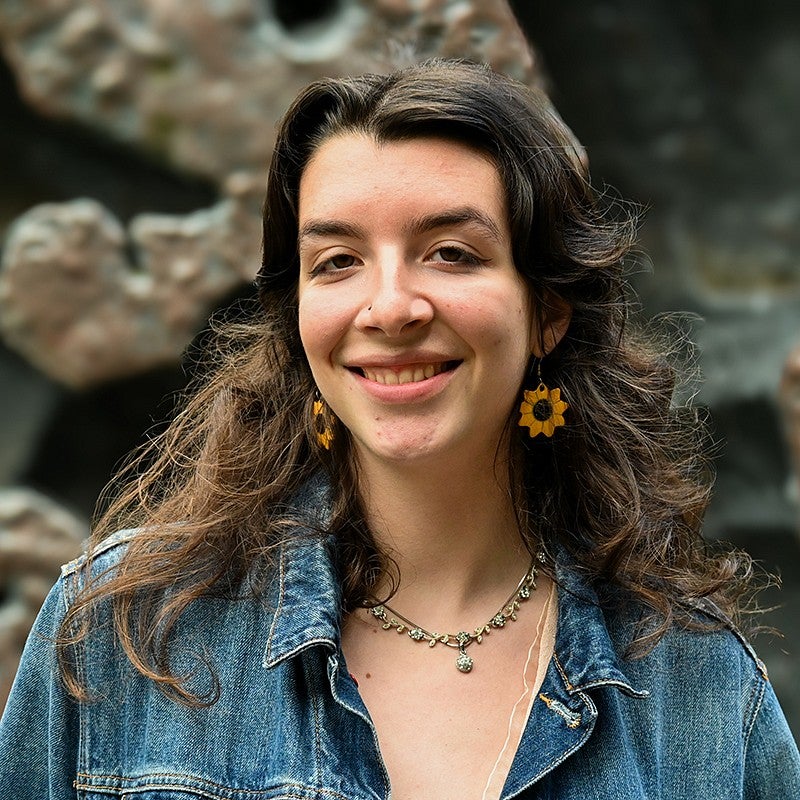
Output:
x=394 y=304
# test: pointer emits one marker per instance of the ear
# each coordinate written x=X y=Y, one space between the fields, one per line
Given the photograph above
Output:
x=549 y=322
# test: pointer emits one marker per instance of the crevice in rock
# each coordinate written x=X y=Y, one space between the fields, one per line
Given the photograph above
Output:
x=295 y=15
x=51 y=160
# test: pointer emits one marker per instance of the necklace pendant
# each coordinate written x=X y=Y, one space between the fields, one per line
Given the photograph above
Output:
x=392 y=620
x=464 y=662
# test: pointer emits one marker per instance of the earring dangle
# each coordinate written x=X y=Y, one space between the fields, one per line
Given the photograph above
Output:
x=323 y=423
x=542 y=409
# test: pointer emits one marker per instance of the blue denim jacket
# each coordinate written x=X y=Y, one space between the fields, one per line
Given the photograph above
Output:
x=697 y=718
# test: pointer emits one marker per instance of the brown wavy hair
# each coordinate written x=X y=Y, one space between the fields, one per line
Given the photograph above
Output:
x=622 y=488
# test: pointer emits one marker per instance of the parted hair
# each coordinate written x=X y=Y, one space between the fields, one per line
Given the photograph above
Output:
x=621 y=488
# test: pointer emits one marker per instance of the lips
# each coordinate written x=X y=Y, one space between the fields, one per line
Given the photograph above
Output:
x=405 y=373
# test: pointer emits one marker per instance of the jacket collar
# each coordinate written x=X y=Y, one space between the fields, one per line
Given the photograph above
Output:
x=587 y=647
x=306 y=598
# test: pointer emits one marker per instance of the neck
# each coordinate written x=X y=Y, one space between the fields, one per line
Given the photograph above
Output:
x=453 y=534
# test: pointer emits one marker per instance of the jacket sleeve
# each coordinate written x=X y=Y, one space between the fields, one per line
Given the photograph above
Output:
x=772 y=763
x=39 y=727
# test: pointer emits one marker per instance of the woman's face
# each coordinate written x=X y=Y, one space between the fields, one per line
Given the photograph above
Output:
x=416 y=324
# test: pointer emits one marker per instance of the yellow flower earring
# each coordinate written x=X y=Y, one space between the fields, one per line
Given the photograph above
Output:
x=542 y=410
x=323 y=423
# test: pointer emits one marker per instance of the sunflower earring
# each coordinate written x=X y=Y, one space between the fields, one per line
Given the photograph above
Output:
x=542 y=410
x=322 y=419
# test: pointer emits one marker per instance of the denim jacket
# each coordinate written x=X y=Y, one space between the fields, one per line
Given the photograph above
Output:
x=695 y=719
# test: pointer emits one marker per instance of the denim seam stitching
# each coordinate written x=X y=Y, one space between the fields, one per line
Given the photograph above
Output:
x=73 y=580
x=115 y=540
x=316 y=699
x=266 y=793
x=710 y=609
x=567 y=685
x=753 y=706
x=279 y=607
x=118 y=782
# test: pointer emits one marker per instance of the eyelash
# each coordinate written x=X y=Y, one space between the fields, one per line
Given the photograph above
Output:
x=464 y=257
x=323 y=265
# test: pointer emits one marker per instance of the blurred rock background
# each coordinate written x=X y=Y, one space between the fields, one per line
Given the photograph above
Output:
x=691 y=109
x=133 y=142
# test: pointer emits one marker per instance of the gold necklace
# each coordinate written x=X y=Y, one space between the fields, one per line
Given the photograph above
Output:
x=463 y=639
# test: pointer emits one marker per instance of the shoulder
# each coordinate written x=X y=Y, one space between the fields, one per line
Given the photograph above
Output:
x=695 y=711
x=723 y=634
x=704 y=642
x=713 y=682
x=703 y=670
x=309 y=506
x=706 y=666
x=98 y=559
x=108 y=550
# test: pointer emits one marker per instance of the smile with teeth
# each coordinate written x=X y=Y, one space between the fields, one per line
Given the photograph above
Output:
x=413 y=373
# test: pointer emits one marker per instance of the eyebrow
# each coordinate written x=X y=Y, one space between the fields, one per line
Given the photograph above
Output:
x=319 y=228
x=463 y=215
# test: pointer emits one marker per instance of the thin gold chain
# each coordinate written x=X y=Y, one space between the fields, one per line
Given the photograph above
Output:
x=463 y=639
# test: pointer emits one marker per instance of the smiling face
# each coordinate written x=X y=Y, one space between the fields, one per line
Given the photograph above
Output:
x=415 y=322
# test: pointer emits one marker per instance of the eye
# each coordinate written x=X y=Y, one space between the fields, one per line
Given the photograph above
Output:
x=450 y=254
x=335 y=262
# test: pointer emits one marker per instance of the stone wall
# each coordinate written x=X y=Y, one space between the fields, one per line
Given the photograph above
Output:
x=691 y=110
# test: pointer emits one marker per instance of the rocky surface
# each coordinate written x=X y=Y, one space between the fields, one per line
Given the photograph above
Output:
x=73 y=303
x=36 y=537
x=198 y=86
x=202 y=84
x=690 y=110
x=790 y=405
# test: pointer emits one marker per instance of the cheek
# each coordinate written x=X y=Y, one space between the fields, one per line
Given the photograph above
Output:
x=496 y=320
x=321 y=326
x=312 y=329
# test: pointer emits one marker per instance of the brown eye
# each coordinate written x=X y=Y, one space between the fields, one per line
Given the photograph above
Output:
x=336 y=262
x=452 y=254
x=341 y=261
x=456 y=255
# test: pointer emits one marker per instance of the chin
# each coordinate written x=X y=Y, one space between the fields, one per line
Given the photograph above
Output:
x=400 y=452
x=417 y=448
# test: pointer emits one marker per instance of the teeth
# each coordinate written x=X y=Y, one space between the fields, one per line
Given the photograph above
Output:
x=413 y=374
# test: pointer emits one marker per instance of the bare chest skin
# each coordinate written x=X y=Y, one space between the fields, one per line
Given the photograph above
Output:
x=441 y=731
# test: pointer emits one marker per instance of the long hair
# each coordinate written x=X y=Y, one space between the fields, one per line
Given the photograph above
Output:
x=622 y=488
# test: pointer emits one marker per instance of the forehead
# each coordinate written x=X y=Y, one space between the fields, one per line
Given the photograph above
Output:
x=350 y=173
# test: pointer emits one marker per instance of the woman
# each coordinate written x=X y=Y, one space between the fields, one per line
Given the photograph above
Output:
x=438 y=426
